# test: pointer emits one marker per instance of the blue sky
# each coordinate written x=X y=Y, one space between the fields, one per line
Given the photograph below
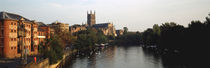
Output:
x=137 y=15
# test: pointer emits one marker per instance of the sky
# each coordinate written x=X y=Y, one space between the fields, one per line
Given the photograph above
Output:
x=137 y=15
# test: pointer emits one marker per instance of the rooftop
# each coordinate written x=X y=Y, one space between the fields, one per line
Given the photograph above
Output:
x=41 y=24
x=6 y=15
x=102 y=25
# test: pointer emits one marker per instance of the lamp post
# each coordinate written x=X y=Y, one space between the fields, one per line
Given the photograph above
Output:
x=22 y=35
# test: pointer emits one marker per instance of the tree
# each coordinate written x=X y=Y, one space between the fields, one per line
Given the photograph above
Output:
x=101 y=37
x=89 y=37
x=125 y=30
x=52 y=49
x=156 y=29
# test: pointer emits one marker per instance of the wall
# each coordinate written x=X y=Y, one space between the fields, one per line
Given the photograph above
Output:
x=42 y=64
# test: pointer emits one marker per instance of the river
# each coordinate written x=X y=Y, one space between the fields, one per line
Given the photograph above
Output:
x=122 y=57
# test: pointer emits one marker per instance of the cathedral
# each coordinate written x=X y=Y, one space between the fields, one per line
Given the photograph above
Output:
x=107 y=28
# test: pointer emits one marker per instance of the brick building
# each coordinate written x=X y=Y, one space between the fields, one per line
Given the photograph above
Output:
x=10 y=40
x=76 y=28
x=44 y=30
x=59 y=26
x=20 y=35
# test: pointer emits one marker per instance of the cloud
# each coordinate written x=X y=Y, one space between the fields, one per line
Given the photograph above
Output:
x=56 y=5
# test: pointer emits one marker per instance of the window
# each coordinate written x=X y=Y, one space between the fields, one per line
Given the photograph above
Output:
x=2 y=40
x=2 y=32
x=14 y=23
x=11 y=39
x=11 y=30
x=14 y=30
x=11 y=23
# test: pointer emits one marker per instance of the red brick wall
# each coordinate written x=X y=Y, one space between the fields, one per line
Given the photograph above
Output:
x=7 y=51
x=11 y=41
x=46 y=30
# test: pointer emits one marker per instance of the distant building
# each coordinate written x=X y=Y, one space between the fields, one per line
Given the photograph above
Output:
x=106 y=28
x=43 y=32
x=91 y=18
x=119 y=32
x=76 y=28
x=59 y=26
x=12 y=28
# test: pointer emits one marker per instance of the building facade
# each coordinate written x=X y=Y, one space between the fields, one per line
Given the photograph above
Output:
x=14 y=40
x=76 y=28
x=19 y=35
x=106 y=28
x=44 y=30
x=119 y=32
x=58 y=26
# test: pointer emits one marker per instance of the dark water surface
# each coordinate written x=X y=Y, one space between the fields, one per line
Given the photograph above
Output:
x=122 y=57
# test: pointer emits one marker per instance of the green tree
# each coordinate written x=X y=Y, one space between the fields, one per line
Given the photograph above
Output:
x=52 y=49
x=101 y=37
x=156 y=29
x=89 y=37
x=125 y=30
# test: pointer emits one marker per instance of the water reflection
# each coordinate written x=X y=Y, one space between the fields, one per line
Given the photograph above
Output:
x=118 y=57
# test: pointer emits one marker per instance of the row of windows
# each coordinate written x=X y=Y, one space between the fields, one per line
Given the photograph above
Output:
x=13 y=47
x=35 y=32
x=13 y=39
x=29 y=32
x=41 y=34
x=27 y=47
x=13 y=23
x=13 y=30
x=27 y=39
x=16 y=47
x=35 y=39
x=28 y=26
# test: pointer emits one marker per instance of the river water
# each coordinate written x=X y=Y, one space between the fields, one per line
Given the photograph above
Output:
x=121 y=57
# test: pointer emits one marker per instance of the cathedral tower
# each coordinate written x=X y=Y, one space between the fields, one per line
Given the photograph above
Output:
x=91 y=19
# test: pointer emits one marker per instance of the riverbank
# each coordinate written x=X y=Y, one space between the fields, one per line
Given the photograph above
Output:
x=61 y=62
